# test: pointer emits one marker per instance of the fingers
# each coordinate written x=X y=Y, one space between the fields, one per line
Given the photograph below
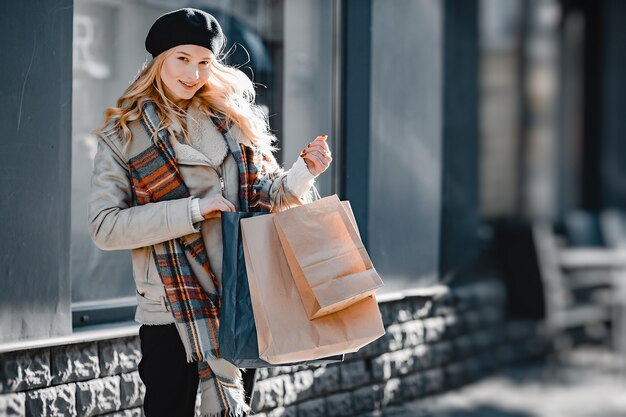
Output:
x=320 y=162
x=318 y=144
x=320 y=154
x=317 y=155
x=214 y=205
x=319 y=141
x=229 y=205
x=224 y=204
x=324 y=160
x=317 y=150
x=310 y=159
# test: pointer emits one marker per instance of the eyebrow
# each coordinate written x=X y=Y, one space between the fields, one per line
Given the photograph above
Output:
x=186 y=54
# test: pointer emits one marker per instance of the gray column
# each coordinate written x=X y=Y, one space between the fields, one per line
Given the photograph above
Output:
x=357 y=23
x=459 y=212
x=35 y=121
x=612 y=129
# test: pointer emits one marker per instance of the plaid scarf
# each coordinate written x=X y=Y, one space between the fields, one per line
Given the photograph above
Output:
x=155 y=177
x=256 y=171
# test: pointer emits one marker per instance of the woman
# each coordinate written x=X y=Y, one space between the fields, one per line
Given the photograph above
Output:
x=185 y=143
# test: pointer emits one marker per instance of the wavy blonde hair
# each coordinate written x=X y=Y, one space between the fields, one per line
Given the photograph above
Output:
x=228 y=94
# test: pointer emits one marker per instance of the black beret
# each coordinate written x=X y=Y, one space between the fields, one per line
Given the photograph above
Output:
x=182 y=27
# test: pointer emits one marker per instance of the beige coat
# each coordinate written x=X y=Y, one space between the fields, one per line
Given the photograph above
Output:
x=114 y=224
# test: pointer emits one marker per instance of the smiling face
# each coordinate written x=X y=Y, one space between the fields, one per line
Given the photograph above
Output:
x=185 y=71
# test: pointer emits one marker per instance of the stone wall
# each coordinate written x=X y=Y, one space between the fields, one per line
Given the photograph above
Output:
x=432 y=344
x=86 y=379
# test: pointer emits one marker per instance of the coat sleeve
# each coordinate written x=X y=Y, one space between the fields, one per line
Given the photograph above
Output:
x=293 y=187
x=114 y=224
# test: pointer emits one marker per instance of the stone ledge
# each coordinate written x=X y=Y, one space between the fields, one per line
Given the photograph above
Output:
x=86 y=334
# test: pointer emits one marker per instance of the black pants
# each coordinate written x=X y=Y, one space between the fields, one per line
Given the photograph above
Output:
x=171 y=383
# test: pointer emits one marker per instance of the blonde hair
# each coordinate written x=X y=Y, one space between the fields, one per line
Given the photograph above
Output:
x=228 y=94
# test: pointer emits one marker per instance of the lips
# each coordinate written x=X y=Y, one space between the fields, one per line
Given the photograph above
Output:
x=188 y=86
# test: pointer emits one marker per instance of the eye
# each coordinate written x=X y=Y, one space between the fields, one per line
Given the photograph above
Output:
x=184 y=59
x=205 y=63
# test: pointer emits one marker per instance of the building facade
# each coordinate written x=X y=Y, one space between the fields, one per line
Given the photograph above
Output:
x=433 y=120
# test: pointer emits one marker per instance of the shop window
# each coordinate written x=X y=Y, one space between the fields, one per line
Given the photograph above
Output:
x=287 y=47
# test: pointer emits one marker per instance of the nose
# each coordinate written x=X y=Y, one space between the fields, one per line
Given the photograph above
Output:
x=192 y=73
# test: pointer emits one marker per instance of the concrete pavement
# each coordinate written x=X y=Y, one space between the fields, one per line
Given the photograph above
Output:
x=590 y=384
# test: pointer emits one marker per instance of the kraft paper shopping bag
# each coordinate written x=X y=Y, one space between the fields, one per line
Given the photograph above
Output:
x=329 y=263
x=237 y=336
x=284 y=332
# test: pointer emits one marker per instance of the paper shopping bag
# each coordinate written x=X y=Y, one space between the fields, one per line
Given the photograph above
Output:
x=284 y=332
x=329 y=263
x=237 y=336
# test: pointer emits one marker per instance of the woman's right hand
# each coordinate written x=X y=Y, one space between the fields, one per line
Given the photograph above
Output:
x=214 y=205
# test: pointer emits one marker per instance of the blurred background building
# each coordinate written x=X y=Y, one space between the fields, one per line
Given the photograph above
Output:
x=480 y=143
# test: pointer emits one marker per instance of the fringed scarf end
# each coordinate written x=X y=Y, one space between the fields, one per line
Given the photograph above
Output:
x=281 y=198
x=311 y=195
x=240 y=412
x=281 y=202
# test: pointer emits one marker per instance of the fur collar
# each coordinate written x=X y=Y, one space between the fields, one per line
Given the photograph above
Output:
x=208 y=145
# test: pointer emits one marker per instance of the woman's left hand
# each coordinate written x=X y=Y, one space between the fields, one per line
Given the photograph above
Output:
x=316 y=155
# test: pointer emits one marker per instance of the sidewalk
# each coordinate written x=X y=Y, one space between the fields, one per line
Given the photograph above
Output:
x=590 y=385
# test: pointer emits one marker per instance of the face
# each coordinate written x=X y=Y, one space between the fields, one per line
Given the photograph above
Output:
x=185 y=71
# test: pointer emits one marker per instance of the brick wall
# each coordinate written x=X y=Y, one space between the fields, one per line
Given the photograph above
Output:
x=432 y=344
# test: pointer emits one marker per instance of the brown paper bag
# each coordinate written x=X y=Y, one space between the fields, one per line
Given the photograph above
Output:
x=284 y=332
x=329 y=263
